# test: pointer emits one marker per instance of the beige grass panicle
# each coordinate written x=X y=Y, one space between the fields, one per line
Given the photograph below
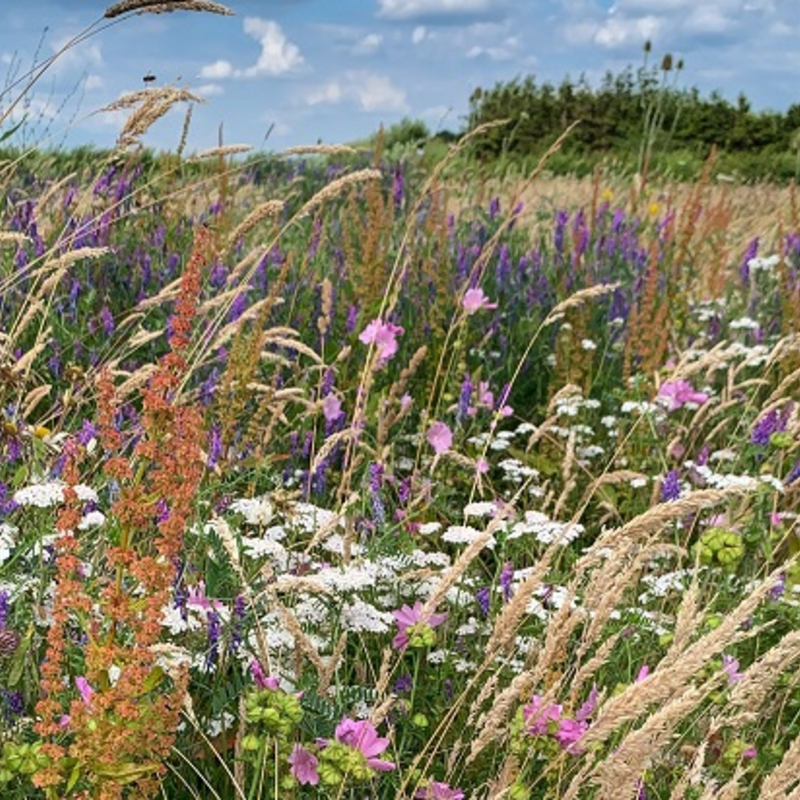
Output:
x=164 y=7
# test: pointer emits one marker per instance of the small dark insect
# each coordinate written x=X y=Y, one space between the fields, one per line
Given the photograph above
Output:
x=149 y=78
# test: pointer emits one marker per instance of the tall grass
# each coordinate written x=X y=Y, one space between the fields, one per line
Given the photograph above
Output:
x=319 y=478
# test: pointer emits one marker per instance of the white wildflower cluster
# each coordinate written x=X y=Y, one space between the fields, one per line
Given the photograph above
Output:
x=718 y=480
x=764 y=263
x=51 y=493
x=8 y=535
x=359 y=616
x=545 y=530
x=466 y=534
x=254 y=510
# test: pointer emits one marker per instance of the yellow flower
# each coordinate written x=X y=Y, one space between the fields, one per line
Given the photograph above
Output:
x=654 y=209
x=607 y=195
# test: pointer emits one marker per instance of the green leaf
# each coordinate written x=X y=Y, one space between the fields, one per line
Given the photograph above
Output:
x=12 y=130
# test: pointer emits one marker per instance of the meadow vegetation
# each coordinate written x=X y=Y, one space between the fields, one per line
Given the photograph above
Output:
x=325 y=474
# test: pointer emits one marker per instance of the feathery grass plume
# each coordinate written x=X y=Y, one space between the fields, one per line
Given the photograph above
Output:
x=320 y=149
x=655 y=518
x=220 y=152
x=164 y=7
x=267 y=210
x=618 y=774
x=782 y=782
x=749 y=694
x=148 y=106
x=673 y=679
x=337 y=187
x=13 y=237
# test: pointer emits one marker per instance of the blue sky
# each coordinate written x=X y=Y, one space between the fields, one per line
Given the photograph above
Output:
x=333 y=70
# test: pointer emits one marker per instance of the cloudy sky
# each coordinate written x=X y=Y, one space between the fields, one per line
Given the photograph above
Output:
x=333 y=70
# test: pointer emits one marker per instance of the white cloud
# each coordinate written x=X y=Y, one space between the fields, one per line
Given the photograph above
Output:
x=219 y=69
x=410 y=9
x=377 y=93
x=209 y=90
x=330 y=93
x=278 y=55
x=368 y=45
x=502 y=52
x=94 y=82
x=419 y=34
x=619 y=31
x=371 y=92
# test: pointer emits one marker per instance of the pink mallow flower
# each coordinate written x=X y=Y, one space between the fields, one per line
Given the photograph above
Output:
x=84 y=689
x=412 y=617
x=362 y=736
x=304 y=766
x=384 y=336
x=475 y=299
x=440 y=437
x=438 y=790
x=332 y=408
x=676 y=394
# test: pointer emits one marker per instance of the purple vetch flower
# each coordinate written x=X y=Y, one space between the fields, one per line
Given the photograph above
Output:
x=494 y=207
x=214 y=446
x=12 y=704
x=352 y=319
x=750 y=253
x=506 y=579
x=483 y=598
x=464 y=398
x=774 y=421
x=237 y=623
x=670 y=486
x=375 y=486
x=398 y=186
x=4 y=598
x=214 y=634
x=403 y=684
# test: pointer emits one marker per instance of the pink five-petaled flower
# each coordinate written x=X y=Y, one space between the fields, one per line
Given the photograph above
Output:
x=304 y=766
x=475 y=299
x=440 y=437
x=332 y=408
x=84 y=689
x=675 y=394
x=362 y=736
x=437 y=790
x=384 y=336
x=407 y=617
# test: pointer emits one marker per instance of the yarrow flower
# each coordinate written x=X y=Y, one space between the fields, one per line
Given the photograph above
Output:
x=414 y=628
x=676 y=394
x=384 y=336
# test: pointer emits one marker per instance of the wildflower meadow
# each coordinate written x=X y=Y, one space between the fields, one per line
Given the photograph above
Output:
x=329 y=474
